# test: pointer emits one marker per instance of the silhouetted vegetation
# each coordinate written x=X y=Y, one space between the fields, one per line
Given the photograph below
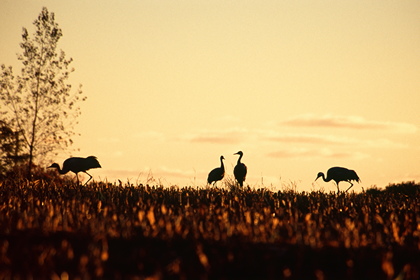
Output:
x=407 y=188
x=59 y=229
x=10 y=148
x=41 y=107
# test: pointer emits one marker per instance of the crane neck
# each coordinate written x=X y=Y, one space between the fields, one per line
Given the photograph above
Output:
x=325 y=179
x=56 y=166
x=239 y=159
x=61 y=171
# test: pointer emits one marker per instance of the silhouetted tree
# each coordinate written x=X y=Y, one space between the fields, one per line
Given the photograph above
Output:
x=41 y=104
x=10 y=148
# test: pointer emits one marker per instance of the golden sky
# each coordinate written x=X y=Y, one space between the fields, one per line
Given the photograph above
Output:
x=298 y=86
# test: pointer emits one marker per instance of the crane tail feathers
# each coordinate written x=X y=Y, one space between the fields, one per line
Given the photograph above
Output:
x=93 y=162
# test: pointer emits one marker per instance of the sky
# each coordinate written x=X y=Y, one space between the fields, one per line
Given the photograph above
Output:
x=298 y=86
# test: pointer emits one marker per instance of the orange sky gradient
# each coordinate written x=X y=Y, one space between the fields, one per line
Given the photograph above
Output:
x=298 y=86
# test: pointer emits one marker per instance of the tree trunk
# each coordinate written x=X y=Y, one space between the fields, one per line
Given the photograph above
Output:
x=34 y=126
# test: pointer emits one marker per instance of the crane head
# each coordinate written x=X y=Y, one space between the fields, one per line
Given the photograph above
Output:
x=239 y=153
x=320 y=174
x=54 y=165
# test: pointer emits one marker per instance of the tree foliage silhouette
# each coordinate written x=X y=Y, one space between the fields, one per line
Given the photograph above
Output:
x=10 y=147
x=41 y=104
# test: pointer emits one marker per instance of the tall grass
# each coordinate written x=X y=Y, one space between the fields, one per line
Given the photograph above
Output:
x=103 y=230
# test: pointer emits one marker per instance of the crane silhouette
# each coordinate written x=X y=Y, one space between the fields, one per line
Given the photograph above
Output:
x=76 y=165
x=217 y=174
x=240 y=170
x=338 y=174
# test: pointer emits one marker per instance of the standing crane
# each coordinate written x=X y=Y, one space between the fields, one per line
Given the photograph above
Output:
x=76 y=165
x=338 y=174
x=217 y=174
x=240 y=170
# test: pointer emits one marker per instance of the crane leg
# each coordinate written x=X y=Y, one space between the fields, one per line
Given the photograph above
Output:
x=77 y=178
x=90 y=177
x=338 y=189
x=351 y=185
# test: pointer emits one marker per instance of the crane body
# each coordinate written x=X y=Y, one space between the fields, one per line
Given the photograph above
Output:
x=240 y=170
x=339 y=174
x=76 y=165
x=217 y=174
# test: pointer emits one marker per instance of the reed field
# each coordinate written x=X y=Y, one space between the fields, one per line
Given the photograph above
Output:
x=61 y=230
